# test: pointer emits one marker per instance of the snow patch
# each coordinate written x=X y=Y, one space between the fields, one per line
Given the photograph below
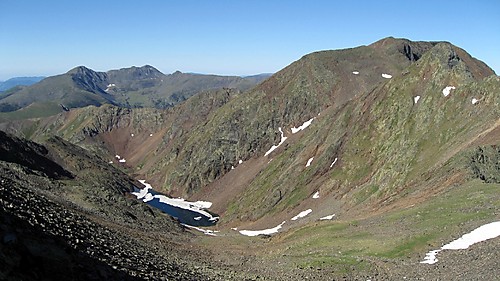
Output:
x=302 y=127
x=197 y=218
x=355 y=72
x=122 y=160
x=430 y=257
x=415 y=99
x=474 y=100
x=131 y=135
x=241 y=161
x=333 y=163
x=316 y=195
x=117 y=156
x=232 y=167
x=283 y=139
x=447 y=90
x=142 y=192
x=109 y=87
x=327 y=217
x=264 y=231
x=302 y=214
x=203 y=204
x=386 y=76
x=150 y=135
x=482 y=233
x=110 y=162
x=309 y=162
x=206 y=231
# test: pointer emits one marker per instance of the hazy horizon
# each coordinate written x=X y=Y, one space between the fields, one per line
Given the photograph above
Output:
x=224 y=37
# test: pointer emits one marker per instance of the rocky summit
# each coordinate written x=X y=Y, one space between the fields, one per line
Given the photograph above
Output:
x=357 y=164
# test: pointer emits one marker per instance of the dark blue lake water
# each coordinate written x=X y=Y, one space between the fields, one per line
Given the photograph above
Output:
x=184 y=216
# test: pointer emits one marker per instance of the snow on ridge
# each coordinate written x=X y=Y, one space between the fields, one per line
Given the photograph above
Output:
x=303 y=126
x=264 y=231
x=302 y=214
x=415 y=99
x=386 y=76
x=283 y=139
x=327 y=217
x=447 y=90
x=316 y=195
x=309 y=162
x=482 y=233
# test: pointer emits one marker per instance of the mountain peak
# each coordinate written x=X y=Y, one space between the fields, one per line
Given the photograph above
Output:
x=80 y=70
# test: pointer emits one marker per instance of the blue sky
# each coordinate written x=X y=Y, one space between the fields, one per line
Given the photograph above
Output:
x=225 y=37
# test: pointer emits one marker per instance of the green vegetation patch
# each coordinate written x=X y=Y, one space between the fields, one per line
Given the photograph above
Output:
x=405 y=232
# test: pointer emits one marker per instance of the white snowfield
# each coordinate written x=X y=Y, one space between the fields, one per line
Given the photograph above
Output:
x=302 y=127
x=309 y=162
x=264 y=231
x=482 y=233
x=386 y=76
x=302 y=214
x=283 y=139
x=447 y=90
x=198 y=206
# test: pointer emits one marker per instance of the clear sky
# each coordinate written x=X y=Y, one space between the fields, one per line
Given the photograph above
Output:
x=225 y=37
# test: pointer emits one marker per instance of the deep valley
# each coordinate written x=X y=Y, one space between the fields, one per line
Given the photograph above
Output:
x=347 y=164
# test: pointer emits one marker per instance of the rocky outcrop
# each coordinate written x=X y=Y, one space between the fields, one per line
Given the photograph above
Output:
x=485 y=163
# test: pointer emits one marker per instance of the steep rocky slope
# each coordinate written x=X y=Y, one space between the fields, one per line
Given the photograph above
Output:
x=81 y=225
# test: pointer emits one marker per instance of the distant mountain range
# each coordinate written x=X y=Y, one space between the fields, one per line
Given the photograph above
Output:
x=19 y=81
x=128 y=87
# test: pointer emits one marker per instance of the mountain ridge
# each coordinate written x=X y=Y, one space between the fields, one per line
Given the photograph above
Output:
x=128 y=87
x=395 y=141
